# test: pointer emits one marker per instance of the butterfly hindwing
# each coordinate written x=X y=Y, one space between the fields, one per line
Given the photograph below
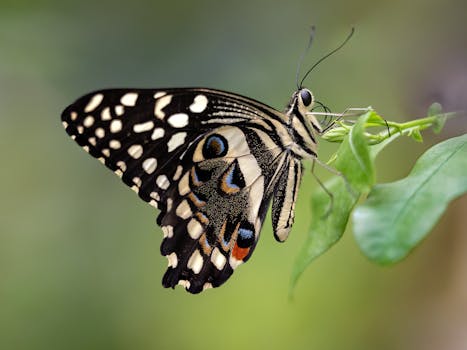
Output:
x=216 y=212
x=285 y=197
x=212 y=182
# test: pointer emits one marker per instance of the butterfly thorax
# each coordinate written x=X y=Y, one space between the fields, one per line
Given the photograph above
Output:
x=302 y=125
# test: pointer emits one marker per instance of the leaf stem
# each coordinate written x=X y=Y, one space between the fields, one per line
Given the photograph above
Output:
x=410 y=128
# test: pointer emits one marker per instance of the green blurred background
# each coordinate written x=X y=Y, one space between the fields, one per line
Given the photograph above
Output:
x=79 y=253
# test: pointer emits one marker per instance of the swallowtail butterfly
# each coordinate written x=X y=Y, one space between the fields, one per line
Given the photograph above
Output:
x=211 y=161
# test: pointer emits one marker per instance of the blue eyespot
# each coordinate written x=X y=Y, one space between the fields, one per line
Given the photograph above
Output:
x=215 y=146
x=229 y=180
x=246 y=235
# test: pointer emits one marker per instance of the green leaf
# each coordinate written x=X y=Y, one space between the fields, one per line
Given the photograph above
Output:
x=398 y=215
x=353 y=158
x=326 y=227
x=330 y=216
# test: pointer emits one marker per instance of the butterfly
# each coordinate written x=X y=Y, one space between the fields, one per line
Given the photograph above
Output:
x=211 y=161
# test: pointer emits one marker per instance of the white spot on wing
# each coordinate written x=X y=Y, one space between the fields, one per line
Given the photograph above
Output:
x=100 y=133
x=168 y=231
x=178 y=172
x=65 y=124
x=159 y=94
x=173 y=260
x=183 y=210
x=88 y=121
x=155 y=196
x=199 y=104
x=195 y=262
x=92 y=141
x=129 y=99
x=73 y=116
x=163 y=182
x=186 y=284
x=119 y=110
x=178 y=120
x=157 y=133
x=93 y=103
x=115 y=144
x=234 y=262
x=168 y=205
x=176 y=141
x=122 y=165
x=183 y=185
x=149 y=165
x=105 y=115
x=195 y=229
x=218 y=259
x=135 y=151
x=116 y=126
x=160 y=104
x=137 y=181
x=142 y=127
x=106 y=152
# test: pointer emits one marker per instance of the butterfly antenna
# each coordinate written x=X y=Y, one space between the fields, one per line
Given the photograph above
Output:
x=299 y=65
x=352 y=31
x=325 y=108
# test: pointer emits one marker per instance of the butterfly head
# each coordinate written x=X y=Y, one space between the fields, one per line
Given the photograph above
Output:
x=301 y=102
x=304 y=103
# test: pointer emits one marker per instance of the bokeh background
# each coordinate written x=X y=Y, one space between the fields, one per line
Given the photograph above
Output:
x=79 y=253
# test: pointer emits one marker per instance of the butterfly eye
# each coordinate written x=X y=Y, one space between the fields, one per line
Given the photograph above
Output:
x=306 y=97
x=215 y=146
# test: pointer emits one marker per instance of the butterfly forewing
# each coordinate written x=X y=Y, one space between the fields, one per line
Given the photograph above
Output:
x=128 y=130
x=208 y=159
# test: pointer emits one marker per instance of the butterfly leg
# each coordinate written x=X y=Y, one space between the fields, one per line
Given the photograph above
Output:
x=348 y=112
x=331 y=196
x=335 y=172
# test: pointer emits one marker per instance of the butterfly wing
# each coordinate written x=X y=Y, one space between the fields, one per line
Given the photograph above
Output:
x=207 y=159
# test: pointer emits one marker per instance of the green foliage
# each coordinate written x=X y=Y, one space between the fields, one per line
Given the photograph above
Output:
x=398 y=215
x=394 y=217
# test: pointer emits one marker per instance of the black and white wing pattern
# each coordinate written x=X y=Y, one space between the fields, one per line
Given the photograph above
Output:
x=210 y=161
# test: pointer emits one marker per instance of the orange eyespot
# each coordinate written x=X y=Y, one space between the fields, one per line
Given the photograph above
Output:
x=240 y=253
